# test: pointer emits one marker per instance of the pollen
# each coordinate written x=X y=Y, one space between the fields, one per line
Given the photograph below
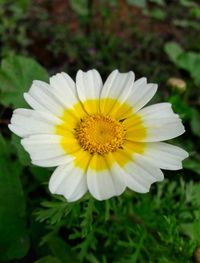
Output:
x=100 y=134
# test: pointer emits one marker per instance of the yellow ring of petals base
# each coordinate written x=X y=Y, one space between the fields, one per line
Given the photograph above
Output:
x=97 y=135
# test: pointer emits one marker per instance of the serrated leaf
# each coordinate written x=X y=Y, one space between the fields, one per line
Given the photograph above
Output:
x=16 y=76
x=14 y=241
x=53 y=211
x=87 y=216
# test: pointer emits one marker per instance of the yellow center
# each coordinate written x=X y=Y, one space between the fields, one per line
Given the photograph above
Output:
x=98 y=139
x=100 y=134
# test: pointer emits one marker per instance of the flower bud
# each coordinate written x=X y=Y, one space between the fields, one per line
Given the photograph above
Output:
x=177 y=83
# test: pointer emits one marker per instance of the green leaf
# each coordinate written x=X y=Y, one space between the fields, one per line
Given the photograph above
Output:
x=19 y=150
x=190 y=61
x=61 y=250
x=80 y=7
x=54 y=211
x=138 y=3
x=87 y=216
x=195 y=122
x=14 y=241
x=196 y=228
x=181 y=107
x=193 y=165
x=48 y=259
x=16 y=76
x=158 y=2
x=173 y=50
x=40 y=174
x=158 y=13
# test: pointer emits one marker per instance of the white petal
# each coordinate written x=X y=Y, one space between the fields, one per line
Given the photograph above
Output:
x=161 y=122
x=34 y=103
x=68 y=181
x=89 y=85
x=18 y=130
x=164 y=155
x=141 y=94
x=106 y=183
x=25 y=122
x=42 y=146
x=117 y=86
x=140 y=174
x=64 y=89
x=52 y=162
x=41 y=97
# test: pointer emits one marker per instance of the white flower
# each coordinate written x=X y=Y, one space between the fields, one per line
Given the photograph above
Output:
x=98 y=135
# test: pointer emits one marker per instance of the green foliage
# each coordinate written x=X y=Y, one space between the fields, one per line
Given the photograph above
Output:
x=193 y=165
x=16 y=75
x=189 y=61
x=24 y=159
x=61 y=250
x=138 y=3
x=14 y=242
x=173 y=50
x=13 y=25
x=158 y=13
x=160 y=220
x=80 y=7
x=54 y=211
x=48 y=259
x=195 y=122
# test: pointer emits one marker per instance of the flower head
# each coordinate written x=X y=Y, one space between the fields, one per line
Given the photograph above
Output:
x=98 y=135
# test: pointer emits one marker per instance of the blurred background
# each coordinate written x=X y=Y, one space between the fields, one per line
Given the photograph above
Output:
x=159 y=39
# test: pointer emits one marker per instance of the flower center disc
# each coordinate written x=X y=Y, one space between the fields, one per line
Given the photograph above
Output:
x=100 y=134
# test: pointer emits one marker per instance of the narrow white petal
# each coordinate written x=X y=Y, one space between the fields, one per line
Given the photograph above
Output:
x=52 y=162
x=157 y=110
x=42 y=146
x=117 y=86
x=68 y=181
x=64 y=89
x=141 y=94
x=41 y=97
x=106 y=183
x=18 y=130
x=161 y=123
x=25 y=122
x=140 y=174
x=34 y=103
x=164 y=155
x=89 y=85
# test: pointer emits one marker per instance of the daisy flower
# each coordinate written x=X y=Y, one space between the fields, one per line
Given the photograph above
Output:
x=99 y=136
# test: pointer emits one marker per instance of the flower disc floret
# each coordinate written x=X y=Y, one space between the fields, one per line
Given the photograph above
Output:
x=100 y=134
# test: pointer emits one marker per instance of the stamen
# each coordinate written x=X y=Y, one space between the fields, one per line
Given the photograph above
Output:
x=100 y=134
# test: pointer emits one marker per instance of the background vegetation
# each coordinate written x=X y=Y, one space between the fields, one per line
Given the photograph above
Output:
x=159 y=39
